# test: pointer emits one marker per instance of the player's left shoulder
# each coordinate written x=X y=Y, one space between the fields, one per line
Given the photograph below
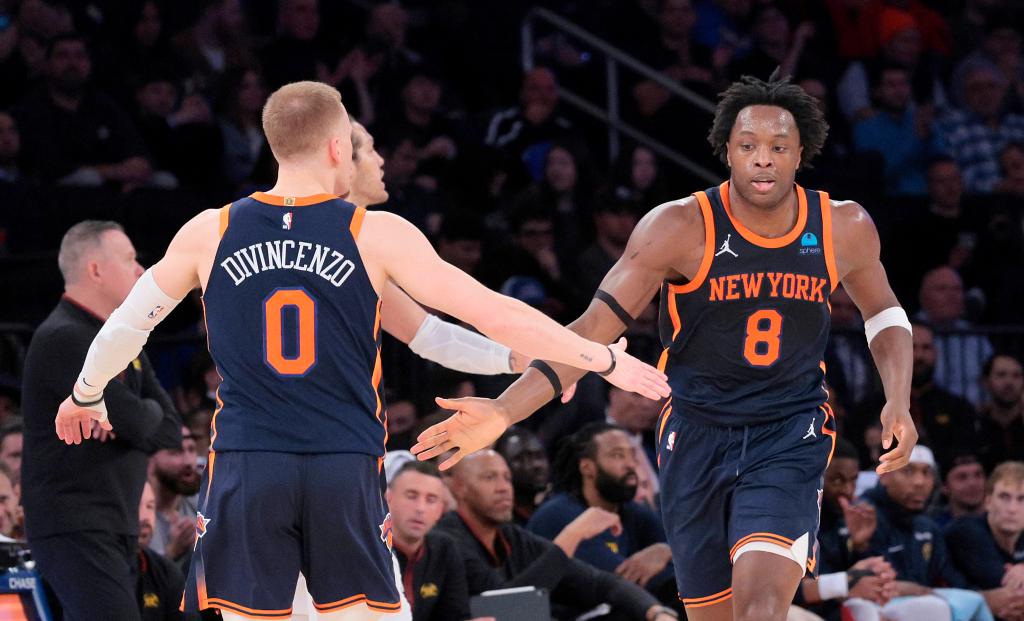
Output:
x=851 y=223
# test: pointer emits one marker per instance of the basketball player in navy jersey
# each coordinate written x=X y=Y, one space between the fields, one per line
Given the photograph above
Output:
x=291 y=281
x=745 y=270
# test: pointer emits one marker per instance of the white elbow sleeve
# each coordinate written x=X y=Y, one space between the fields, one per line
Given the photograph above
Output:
x=457 y=348
x=894 y=316
x=122 y=336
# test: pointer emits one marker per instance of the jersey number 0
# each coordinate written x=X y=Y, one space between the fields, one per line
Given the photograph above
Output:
x=273 y=331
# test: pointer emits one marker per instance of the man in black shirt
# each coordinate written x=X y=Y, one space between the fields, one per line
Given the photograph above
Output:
x=433 y=575
x=161 y=583
x=81 y=502
x=498 y=554
x=73 y=134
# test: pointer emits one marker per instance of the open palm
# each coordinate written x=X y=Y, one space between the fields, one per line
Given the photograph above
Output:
x=476 y=424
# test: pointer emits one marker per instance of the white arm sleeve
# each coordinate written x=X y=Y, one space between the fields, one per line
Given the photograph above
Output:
x=894 y=316
x=122 y=336
x=460 y=349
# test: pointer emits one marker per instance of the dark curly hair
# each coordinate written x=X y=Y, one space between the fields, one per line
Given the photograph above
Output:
x=578 y=446
x=750 y=91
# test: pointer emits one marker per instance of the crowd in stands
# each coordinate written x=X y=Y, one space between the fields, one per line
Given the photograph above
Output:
x=127 y=100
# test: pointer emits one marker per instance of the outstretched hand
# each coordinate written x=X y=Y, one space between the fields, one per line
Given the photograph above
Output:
x=476 y=424
x=73 y=422
x=896 y=422
x=635 y=376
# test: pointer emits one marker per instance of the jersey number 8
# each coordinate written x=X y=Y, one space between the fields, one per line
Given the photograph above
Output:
x=273 y=332
x=761 y=345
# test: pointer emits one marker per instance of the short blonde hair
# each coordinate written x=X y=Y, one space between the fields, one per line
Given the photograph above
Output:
x=1008 y=471
x=298 y=116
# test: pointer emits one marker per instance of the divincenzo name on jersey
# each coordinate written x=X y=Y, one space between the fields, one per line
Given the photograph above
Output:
x=288 y=254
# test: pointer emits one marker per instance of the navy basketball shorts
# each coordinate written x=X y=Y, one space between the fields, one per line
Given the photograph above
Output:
x=723 y=488
x=264 y=517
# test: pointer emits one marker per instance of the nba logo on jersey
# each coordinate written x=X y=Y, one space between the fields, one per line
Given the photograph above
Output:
x=287 y=218
x=385 y=530
x=671 y=441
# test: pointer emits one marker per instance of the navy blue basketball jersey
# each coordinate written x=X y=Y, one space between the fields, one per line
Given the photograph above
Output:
x=294 y=328
x=745 y=339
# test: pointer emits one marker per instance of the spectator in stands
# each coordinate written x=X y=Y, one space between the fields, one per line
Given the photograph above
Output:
x=73 y=134
x=909 y=540
x=843 y=535
x=411 y=195
x=11 y=440
x=903 y=133
x=976 y=133
x=216 y=43
x=988 y=548
x=499 y=554
x=82 y=501
x=10 y=504
x=139 y=44
x=198 y=421
x=597 y=467
x=533 y=255
x=776 y=44
x=1002 y=417
x=10 y=149
x=1011 y=166
x=637 y=418
x=900 y=35
x=460 y=240
x=614 y=220
x=182 y=141
x=10 y=398
x=418 y=118
x=161 y=583
x=531 y=470
x=963 y=486
x=848 y=359
x=1002 y=47
x=527 y=130
x=293 y=54
x=674 y=52
x=564 y=193
x=241 y=132
x=958 y=357
x=433 y=575
x=174 y=477
x=639 y=176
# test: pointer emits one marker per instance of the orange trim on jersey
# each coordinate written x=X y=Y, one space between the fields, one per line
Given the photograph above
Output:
x=811 y=564
x=378 y=373
x=359 y=599
x=225 y=216
x=663 y=360
x=357 y=222
x=291 y=201
x=710 y=600
x=768 y=242
x=766 y=537
x=826 y=243
x=709 y=248
x=665 y=411
x=827 y=409
x=249 y=613
x=209 y=475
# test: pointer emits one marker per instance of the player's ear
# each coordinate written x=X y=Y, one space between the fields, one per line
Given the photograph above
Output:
x=799 y=156
x=728 y=160
x=588 y=468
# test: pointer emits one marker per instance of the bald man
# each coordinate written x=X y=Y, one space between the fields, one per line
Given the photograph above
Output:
x=499 y=554
x=959 y=357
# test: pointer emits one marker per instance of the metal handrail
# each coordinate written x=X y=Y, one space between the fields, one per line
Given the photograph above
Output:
x=610 y=115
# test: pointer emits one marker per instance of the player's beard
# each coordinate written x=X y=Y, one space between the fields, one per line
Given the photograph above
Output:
x=617 y=491
x=180 y=484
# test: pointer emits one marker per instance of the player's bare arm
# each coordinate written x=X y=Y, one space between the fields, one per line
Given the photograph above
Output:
x=862 y=275
x=185 y=265
x=668 y=243
x=392 y=248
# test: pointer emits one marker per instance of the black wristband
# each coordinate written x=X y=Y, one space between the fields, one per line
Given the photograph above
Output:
x=611 y=368
x=549 y=373
x=85 y=404
x=853 y=576
x=613 y=304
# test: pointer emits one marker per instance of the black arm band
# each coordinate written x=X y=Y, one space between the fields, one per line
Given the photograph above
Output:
x=613 y=304
x=549 y=373
x=85 y=404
